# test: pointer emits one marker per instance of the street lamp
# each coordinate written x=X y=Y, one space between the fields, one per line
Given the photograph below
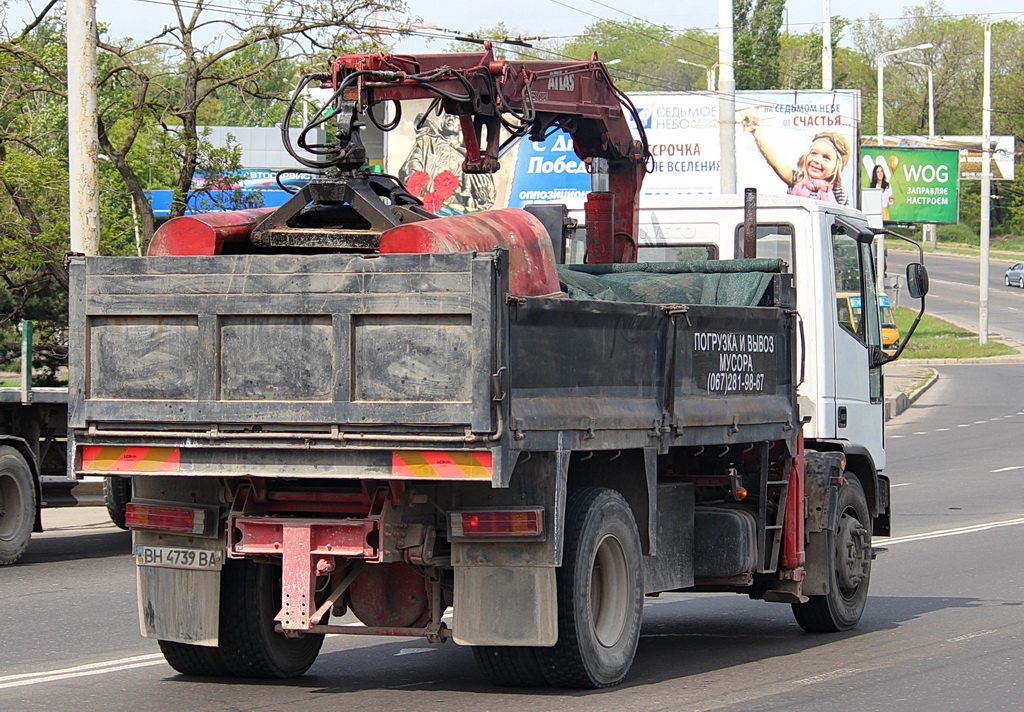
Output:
x=880 y=242
x=930 y=230
x=709 y=68
x=986 y=180
x=880 y=61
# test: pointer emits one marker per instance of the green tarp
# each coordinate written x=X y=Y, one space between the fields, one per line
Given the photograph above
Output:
x=728 y=282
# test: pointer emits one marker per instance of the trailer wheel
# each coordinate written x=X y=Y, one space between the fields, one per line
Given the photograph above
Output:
x=117 y=492
x=850 y=550
x=17 y=505
x=508 y=666
x=600 y=593
x=250 y=598
x=197 y=660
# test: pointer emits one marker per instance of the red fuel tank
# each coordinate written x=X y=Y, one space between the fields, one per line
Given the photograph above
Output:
x=531 y=257
x=205 y=234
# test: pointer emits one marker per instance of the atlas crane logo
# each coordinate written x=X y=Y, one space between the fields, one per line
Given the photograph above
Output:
x=562 y=82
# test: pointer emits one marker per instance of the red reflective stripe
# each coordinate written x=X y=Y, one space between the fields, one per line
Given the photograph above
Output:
x=131 y=459
x=455 y=465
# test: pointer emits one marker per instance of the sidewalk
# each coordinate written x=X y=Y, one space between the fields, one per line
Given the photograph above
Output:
x=905 y=381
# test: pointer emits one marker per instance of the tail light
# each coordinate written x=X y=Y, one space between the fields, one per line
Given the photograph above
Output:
x=168 y=518
x=498 y=523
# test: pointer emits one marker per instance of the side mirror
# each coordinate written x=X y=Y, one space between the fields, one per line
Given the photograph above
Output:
x=917 y=280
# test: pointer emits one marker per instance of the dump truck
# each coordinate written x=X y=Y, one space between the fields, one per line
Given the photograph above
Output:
x=349 y=405
x=33 y=465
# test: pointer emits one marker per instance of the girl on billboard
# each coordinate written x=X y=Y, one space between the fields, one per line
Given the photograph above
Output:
x=818 y=173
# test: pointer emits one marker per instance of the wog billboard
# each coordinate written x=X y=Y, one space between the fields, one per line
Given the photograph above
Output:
x=919 y=185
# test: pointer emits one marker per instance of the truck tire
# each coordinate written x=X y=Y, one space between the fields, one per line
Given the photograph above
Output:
x=850 y=550
x=508 y=666
x=250 y=598
x=117 y=492
x=197 y=660
x=600 y=593
x=17 y=505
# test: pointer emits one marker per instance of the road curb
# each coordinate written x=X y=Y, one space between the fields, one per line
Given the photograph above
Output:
x=896 y=404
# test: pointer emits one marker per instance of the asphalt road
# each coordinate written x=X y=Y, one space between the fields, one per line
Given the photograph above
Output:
x=944 y=628
x=955 y=292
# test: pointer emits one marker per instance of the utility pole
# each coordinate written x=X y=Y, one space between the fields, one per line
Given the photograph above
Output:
x=83 y=134
x=826 y=45
x=726 y=98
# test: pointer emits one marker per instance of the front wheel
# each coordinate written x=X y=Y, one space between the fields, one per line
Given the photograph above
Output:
x=600 y=593
x=17 y=505
x=850 y=564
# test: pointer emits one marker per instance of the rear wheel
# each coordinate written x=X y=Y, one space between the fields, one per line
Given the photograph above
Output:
x=250 y=598
x=196 y=660
x=117 y=492
x=508 y=666
x=600 y=593
x=850 y=553
x=17 y=505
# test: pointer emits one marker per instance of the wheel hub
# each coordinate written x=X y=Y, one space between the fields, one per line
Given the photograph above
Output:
x=854 y=552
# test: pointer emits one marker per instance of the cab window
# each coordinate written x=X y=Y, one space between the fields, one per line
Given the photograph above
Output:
x=773 y=241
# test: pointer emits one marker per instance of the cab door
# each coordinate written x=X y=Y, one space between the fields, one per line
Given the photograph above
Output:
x=858 y=382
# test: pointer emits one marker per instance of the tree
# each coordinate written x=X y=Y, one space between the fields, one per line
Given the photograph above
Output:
x=154 y=91
x=757 y=43
x=646 y=54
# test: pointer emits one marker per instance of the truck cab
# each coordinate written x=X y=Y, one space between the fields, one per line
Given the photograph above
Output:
x=827 y=248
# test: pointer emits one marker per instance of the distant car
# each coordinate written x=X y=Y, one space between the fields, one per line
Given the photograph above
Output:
x=1015 y=276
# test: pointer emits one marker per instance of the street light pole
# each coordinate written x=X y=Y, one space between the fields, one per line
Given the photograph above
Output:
x=826 y=45
x=726 y=99
x=708 y=68
x=880 y=61
x=986 y=187
x=986 y=181
x=929 y=230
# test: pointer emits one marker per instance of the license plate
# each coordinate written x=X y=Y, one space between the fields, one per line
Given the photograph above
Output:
x=177 y=558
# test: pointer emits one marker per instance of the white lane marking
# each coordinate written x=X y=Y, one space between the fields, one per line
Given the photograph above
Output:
x=980 y=422
x=921 y=432
x=968 y=636
x=414 y=651
x=1007 y=469
x=35 y=678
x=825 y=677
x=964 y=426
x=953 y=532
x=897 y=437
x=901 y=484
x=941 y=430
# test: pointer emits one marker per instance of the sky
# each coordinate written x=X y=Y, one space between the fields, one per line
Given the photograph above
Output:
x=143 y=18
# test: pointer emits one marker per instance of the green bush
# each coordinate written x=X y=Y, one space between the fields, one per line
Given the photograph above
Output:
x=962 y=234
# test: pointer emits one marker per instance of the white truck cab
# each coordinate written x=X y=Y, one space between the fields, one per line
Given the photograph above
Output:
x=828 y=250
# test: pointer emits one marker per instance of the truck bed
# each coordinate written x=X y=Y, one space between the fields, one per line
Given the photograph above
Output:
x=340 y=366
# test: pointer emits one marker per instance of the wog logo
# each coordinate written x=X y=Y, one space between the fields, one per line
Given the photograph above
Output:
x=926 y=173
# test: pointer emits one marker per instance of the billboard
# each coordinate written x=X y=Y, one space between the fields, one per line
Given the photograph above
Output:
x=775 y=131
x=1002 y=152
x=918 y=185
